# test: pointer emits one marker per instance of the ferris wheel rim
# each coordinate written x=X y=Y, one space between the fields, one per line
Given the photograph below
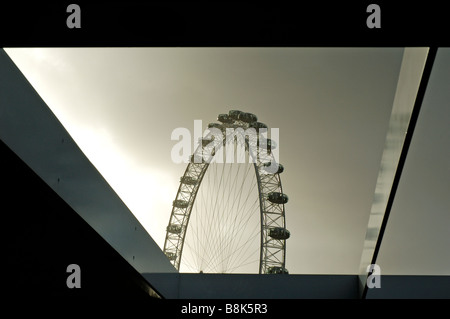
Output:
x=272 y=249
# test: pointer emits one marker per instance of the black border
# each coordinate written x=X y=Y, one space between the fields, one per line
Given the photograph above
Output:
x=229 y=24
x=222 y=23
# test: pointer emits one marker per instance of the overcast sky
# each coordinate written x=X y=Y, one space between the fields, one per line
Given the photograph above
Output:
x=331 y=105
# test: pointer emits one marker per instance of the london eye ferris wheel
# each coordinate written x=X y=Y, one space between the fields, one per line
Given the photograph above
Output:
x=228 y=215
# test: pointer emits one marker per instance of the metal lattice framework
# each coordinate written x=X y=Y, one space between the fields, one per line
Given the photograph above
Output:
x=245 y=131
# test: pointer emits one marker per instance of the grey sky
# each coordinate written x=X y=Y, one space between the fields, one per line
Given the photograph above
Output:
x=332 y=106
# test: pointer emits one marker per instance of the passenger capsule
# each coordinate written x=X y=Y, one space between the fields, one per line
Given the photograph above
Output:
x=267 y=143
x=247 y=117
x=268 y=165
x=277 y=270
x=278 y=198
x=279 y=233
x=171 y=256
x=179 y=203
x=258 y=125
x=225 y=118
x=188 y=180
x=234 y=114
x=174 y=229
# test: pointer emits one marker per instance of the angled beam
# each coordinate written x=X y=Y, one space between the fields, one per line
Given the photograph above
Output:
x=31 y=130
x=413 y=79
